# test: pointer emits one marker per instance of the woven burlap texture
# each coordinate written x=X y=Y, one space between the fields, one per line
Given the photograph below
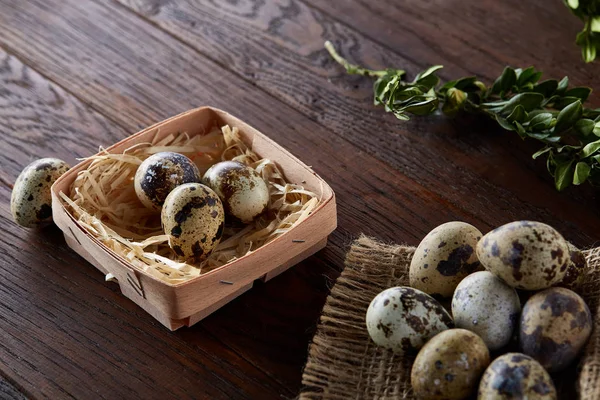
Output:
x=343 y=362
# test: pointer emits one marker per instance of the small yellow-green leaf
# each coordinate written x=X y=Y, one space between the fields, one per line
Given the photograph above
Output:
x=590 y=149
x=582 y=171
x=563 y=175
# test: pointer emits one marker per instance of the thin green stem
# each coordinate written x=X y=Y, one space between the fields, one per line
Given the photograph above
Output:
x=352 y=68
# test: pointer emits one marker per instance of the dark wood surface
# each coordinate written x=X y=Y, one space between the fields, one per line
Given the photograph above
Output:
x=76 y=74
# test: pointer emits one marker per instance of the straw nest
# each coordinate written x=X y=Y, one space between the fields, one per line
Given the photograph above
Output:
x=103 y=200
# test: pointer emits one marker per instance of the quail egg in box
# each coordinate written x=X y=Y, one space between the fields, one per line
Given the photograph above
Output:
x=525 y=254
x=449 y=366
x=159 y=174
x=516 y=376
x=193 y=216
x=403 y=319
x=485 y=305
x=31 y=199
x=575 y=270
x=244 y=193
x=444 y=257
x=555 y=325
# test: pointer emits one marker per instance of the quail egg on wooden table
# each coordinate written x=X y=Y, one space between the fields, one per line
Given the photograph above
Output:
x=485 y=305
x=193 y=216
x=449 y=365
x=159 y=174
x=242 y=190
x=31 y=199
x=444 y=257
x=527 y=255
x=403 y=319
x=555 y=325
x=516 y=376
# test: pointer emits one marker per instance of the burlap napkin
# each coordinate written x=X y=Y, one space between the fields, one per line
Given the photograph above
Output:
x=343 y=362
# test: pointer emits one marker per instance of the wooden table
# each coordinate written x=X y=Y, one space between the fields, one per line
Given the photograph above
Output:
x=76 y=74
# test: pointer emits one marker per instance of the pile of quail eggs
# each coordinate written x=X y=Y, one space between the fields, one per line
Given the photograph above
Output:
x=483 y=279
x=192 y=207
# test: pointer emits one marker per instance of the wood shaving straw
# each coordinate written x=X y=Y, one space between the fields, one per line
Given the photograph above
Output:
x=104 y=202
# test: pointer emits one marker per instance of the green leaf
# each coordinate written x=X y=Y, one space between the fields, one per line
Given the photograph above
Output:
x=467 y=83
x=520 y=130
x=507 y=79
x=562 y=102
x=547 y=88
x=595 y=24
x=538 y=136
x=427 y=77
x=541 y=121
x=518 y=114
x=448 y=85
x=563 y=174
x=580 y=92
x=553 y=139
x=540 y=152
x=590 y=149
x=423 y=107
x=505 y=124
x=528 y=100
x=455 y=98
x=573 y=3
x=582 y=171
x=524 y=76
x=588 y=52
x=597 y=128
x=562 y=85
x=568 y=116
x=585 y=126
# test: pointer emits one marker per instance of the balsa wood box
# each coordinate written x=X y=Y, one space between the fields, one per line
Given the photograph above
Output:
x=184 y=304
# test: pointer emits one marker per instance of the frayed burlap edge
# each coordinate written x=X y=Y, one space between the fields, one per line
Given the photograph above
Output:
x=343 y=363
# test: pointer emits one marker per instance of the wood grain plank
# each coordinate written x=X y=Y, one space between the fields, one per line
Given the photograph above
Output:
x=100 y=58
x=485 y=35
x=9 y=392
x=83 y=337
x=277 y=45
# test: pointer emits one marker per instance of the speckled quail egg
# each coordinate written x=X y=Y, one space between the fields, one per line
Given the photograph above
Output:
x=575 y=270
x=159 y=174
x=31 y=199
x=449 y=365
x=516 y=376
x=525 y=254
x=444 y=257
x=555 y=325
x=244 y=193
x=193 y=216
x=403 y=319
x=484 y=304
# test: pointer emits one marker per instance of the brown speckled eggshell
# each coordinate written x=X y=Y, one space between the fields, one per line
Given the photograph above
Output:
x=516 y=376
x=403 y=319
x=444 y=257
x=555 y=325
x=31 y=199
x=576 y=269
x=194 y=218
x=244 y=193
x=527 y=255
x=449 y=365
x=159 y=174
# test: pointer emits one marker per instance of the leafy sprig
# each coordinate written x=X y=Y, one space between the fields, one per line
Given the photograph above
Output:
x=589 y=38
x=548 y=111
